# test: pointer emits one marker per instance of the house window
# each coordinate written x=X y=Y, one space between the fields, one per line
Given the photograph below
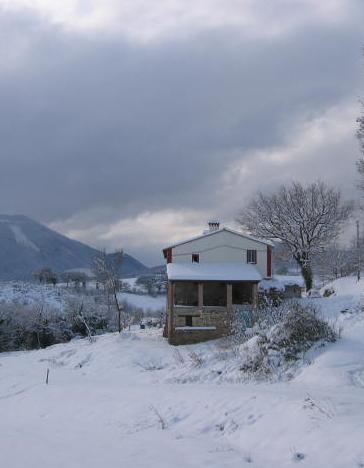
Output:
x=251 y=256
x=188 y=320
x=186 y=293
x=195 y=258
x=214 y=294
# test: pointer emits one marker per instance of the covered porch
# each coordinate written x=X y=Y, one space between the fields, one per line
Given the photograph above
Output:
x=202 y=299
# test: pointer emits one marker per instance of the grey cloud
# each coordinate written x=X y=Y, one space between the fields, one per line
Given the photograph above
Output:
x=88 y=123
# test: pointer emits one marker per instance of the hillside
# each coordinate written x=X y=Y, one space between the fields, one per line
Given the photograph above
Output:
x=132 y=400
x=26 y=246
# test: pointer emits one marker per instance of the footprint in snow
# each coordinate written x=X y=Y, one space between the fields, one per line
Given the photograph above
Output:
x=67 y=353
x=84 y=361
x=252 y=418
x=298 y=456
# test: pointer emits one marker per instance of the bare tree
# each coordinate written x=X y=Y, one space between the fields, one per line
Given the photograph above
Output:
x=336 y=261
x=307 y=218
x=106 y=270
x=76 y=277
x=46 y=275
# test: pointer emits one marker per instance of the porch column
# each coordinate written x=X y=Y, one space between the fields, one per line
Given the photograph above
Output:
x=170 y=309
x=229 y=298
x=229 y=307
x=200 y=295
x=255 y=295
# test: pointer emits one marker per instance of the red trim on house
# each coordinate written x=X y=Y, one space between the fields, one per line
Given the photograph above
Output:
x=269 y=261
x=168 y=255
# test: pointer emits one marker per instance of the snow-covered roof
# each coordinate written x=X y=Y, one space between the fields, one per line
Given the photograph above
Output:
x=213 y=272
x=211 y=233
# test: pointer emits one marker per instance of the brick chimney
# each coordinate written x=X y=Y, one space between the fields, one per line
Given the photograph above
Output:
x=214 y=225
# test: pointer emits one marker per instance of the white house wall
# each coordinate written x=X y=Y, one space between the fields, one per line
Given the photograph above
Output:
x=223 y=246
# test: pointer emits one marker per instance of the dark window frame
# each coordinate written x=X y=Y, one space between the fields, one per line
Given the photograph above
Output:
x=189 y=320
x=251 y=256
x=195 y=258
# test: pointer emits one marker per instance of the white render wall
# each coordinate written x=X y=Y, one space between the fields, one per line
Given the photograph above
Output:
x=223 y=246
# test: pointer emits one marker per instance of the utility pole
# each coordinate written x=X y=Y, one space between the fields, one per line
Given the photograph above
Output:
x=358 y=248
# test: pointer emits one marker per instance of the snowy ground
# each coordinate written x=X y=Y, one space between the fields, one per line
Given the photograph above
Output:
x=134 y=401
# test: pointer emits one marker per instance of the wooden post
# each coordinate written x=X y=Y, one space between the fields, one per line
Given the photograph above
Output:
x=170 y=309
x=200 y=295
x=229 y=305
x=229 y=298
x=255 y=295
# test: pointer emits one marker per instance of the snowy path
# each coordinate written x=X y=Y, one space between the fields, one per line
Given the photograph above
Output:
x=107 y=401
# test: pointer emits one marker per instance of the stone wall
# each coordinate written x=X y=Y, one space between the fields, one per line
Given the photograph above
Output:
x=183 y=337
x=217 y=317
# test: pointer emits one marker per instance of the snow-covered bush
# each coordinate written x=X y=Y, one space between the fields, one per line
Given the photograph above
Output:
x=29 y=327
x=247 y=323
x=32 y=326
x=281 y=336
x=299 y=330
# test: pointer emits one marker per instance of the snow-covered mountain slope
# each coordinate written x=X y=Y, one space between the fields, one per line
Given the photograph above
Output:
x=131 y=400
x=26 y=246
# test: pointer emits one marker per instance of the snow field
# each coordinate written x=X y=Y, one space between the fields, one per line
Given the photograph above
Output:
x=131 y=400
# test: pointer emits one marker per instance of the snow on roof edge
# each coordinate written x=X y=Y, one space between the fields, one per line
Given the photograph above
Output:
x=233 y=271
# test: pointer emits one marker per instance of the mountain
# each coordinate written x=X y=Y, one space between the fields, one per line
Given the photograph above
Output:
x=130 y=266
x=159 y=269
x=26 y=246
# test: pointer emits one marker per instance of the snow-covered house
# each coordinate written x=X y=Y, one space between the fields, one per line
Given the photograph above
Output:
x=209 y=277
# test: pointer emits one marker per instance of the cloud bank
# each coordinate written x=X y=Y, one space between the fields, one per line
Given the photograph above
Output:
x=129 y=126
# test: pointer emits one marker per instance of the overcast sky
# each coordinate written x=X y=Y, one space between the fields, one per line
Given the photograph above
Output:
x=129 y=123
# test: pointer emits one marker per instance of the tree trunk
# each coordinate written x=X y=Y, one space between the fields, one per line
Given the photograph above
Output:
x=306 y=271
x=118 y=309
x=307 y=276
